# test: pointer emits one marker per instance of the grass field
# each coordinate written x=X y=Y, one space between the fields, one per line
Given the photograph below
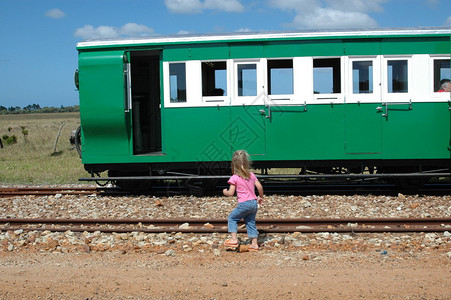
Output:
x=32 y=160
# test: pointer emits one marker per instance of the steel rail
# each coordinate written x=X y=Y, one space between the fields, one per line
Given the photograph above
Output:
x=48 y=191
x=271 y=187
x=279 y=176
x=353 y=225
x=17 y=191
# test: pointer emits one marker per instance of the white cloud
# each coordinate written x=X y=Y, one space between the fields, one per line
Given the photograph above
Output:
x=433 y=3
x=322 y=14
x=55 y=13
x=244 y=30
x=356 y=5
x=197 y=6
x=325 y=18
x=129 y=29
x=89 y=32
x=133 y=29
x=222 y=5
x=184 y=6
x=448 y=21
x=301 y=6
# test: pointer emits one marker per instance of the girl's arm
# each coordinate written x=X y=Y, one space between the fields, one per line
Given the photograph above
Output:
x=229 y=192
x=259 y=187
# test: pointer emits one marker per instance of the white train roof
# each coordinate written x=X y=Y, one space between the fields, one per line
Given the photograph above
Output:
x=241 y=36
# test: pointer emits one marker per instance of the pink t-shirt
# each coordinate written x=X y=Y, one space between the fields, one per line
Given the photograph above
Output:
x=245 y=188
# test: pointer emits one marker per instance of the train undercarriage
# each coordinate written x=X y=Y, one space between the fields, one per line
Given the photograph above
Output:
x=204 y=177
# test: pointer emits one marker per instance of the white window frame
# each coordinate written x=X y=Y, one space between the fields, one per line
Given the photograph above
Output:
x=303 y=80
x=282 y=98
x=396 y=97
x=332 y=97
x=375 y=96
x=193 y=85
x=437 y=96
x=167 y=85
x=260 y=97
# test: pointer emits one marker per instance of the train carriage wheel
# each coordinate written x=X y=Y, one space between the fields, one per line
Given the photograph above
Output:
x=77 y=140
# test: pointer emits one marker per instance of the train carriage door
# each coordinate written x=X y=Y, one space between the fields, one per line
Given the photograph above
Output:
x=363 y=128
x=145 y=101
x=103 y=99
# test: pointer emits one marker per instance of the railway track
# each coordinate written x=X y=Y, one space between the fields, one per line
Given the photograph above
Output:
x=47 y=191
x=270 y=188
x=349 y=225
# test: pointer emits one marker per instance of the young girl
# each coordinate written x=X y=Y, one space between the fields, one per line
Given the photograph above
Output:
x=244 y=183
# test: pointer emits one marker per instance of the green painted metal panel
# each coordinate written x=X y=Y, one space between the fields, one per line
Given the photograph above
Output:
x=321 y=48
x=196 y=52
x=420 y=133
x=196 y=134
x=362 y=47
x=420 y=45
x=105 y=124
x=449 y=143
x=247 y=129
x=282 y=49
x=303 y=48
x=246 y=50
x=339 y=131
x=363 y=130
x=296 y=134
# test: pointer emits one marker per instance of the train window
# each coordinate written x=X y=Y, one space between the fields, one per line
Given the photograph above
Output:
x=441 y=72
x=247 y=79
x=397 y=76
x=177 y=82
x=362 y=77
x=214 y=78
x=326 y=76
x=280 y=77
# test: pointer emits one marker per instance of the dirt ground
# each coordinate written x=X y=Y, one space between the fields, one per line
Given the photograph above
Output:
x=268 y=274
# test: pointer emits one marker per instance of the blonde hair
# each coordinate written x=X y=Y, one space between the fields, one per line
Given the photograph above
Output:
x=241 y=164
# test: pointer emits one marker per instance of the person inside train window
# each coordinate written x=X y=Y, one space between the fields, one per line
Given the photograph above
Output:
x=441 y=73
x=214 y=78
x=445 y=86
x=217 y=92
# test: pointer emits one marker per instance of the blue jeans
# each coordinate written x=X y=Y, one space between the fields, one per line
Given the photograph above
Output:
x=247 y=211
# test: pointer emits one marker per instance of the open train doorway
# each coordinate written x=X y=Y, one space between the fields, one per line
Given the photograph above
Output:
x=146 y=114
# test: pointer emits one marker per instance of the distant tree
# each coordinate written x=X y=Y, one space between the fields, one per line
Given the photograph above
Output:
x=47 y=109
x=36 y=108
x=32 y=107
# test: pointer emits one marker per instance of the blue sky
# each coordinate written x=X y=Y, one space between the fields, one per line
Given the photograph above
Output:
x=38 y=37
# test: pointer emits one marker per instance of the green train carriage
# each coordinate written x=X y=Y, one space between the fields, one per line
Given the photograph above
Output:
x=321 y=101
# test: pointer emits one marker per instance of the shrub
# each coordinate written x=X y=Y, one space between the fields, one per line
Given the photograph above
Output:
x=11 y=140
x=24 y=132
